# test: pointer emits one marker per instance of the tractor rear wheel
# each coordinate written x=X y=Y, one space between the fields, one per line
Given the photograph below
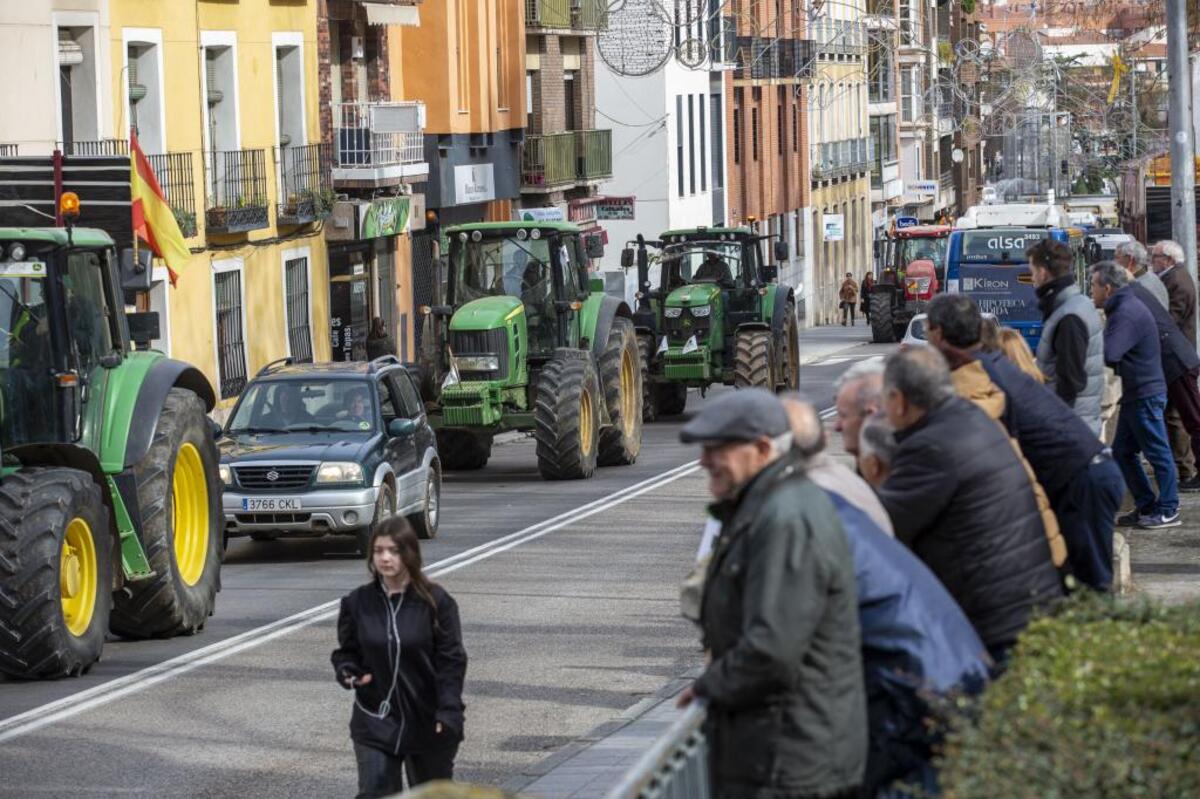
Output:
x=56 y=573
x=672 y=398
x=882 y=327
x=789 y=352
x=621 y=379
x=463 y=451
x=649 y=388
x=567 y=416
x=753 y=363
x=181 y=525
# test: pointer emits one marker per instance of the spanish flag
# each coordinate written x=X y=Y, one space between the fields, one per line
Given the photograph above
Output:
x=153 y=220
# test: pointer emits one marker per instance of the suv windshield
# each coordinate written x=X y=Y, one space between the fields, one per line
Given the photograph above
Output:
x=26 y=368
x=701 y=262
x=284 y=406
x=500 y=266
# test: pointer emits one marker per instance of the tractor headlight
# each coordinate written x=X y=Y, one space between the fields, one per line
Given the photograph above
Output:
x=477 y=363
x=339 y=473
x=225 y=473
x=16 y=252
x=673 y=313
x=701 y=310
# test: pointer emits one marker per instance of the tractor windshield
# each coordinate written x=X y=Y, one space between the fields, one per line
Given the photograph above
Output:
x=26 y=366
x=502 y=266
x=701 y=262
x=927 y=249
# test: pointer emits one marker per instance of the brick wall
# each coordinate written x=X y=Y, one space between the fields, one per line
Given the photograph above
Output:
x=548 y=94
x=324 y=73
x=587 y=88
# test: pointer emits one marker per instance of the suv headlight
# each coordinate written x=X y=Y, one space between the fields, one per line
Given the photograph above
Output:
x=701 y=310
x=339 y=473
x=225 y=473
x=673 y=313
x=478 y=363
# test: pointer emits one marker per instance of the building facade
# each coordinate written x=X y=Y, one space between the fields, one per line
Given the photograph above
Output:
x=883 y=107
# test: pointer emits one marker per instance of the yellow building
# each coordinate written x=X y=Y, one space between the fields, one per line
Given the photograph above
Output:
x=224 y=100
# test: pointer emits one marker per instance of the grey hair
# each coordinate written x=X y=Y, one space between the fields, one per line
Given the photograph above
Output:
x=781 y=445
x=1134 y=251
x=808 y=434
x=921 y=375
x=1110 y=274
x=1172 y=250
x=863 y=373
x=878 y=438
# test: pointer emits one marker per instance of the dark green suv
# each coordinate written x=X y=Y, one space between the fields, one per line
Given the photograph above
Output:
x=329 y=448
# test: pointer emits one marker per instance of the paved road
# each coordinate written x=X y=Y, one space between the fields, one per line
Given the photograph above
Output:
x=568 y=595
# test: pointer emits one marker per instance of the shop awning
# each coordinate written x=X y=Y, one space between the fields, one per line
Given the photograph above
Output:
x=382 y=12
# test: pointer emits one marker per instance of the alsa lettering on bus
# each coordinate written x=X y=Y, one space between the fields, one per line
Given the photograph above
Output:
x=1008 y=243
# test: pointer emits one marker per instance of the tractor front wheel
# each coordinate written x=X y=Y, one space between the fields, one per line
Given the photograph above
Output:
x=179 y=506
x=56 y=573
x=621 y=379
x=567 y=417
x=789 y=349
x=753 y=363
x=672 y=398
x=882 y=325
x=649 y=388
x=463 y=451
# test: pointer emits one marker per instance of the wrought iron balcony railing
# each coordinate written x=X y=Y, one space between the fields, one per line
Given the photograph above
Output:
x=8 y=150
x=594 y=153
x=305 y=183
x=95 y=147
x=177 y=178
x=237 y=191
x=548 y=160
x=548 y=13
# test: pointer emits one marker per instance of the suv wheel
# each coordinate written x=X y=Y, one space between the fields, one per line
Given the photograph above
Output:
x=385 y=508
x=425 y=523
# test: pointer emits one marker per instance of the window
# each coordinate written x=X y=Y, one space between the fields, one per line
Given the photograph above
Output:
x=220 y=79
x=780 y=126
x=386 y=406
x=880 y=67
x=910 y=101
x=754 y=133
x=737 y=130
x=296 y=293
x=908 y=24
x=691 y=143
x=718 y=140
x=89 y=316
x=679 y=141
x=143 y=82
x=79 y=113
x=410 y=404
x=289 y=90
x=703 y=144
x=230 y=340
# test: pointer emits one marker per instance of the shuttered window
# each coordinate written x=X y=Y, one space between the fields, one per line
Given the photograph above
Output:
x=231 y=343
x=299 y=325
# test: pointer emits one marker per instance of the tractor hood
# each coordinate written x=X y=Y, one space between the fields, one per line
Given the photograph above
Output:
x=694 y=295
x=339 y=446
x=485 y=313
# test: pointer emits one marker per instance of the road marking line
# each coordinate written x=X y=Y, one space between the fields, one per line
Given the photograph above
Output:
x=120 y=687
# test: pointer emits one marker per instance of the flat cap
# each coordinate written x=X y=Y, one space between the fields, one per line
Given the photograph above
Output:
x=743 y=415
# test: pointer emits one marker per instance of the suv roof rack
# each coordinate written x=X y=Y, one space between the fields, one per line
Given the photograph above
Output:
x=382 y=361
x=273 y=365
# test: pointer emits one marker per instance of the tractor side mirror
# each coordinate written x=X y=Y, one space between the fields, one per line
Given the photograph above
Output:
x=593 y=245
x=768 y=273
x=136 y=273
x=781 y=250
x=144 y=328
x=627 y=258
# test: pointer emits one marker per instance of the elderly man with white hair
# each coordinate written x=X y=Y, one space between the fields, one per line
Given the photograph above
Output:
x=1133 y=257
x=1167 y=260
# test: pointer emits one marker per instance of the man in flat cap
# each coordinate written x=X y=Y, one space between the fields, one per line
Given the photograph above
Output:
x=787 y=714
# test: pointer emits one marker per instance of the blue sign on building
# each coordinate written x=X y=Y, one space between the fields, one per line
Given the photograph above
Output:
x=906 y=221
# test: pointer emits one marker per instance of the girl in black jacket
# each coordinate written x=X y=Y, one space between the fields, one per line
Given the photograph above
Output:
x=400 y=650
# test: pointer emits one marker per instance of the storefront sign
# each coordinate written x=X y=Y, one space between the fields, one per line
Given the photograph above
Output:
x=906 y=221
x=616 y=208
x=474 y=183
x=539 y=215
x=833 y=227
x=382 y=218
x=923 y=188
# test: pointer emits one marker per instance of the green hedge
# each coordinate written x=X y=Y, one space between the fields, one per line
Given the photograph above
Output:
x=1102 y=699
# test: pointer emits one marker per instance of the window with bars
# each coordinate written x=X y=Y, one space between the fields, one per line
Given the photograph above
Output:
x=231 y=342
x=299 y=326
x=737 y=135
x=754 y=133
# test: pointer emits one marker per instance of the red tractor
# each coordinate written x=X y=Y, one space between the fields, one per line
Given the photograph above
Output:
x=913 y=259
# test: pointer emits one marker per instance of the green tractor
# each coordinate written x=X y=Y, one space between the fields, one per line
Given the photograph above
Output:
x=713 y=313
x=110 y=514
x=525 y=341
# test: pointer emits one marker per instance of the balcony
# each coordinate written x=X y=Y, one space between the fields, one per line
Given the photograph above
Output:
x=548 y=14
x=593 y=149
x=548 y=161
x=589 y=15
x=97 y=147
x=176 y=178
x=305 y=184
x=237 y=191
x=8 y=150
x=839 y=159
x=378 y=144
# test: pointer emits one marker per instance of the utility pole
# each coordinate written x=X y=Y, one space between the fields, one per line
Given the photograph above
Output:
x=1183 y=148
x=1133 y=101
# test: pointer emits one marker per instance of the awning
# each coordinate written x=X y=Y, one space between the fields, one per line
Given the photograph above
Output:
x=382 y=13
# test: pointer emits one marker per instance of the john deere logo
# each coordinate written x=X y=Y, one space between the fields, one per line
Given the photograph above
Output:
x=272 y=475
x=687 y=322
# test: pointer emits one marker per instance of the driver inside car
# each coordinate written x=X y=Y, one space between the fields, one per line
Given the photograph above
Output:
x=713 y=270
x=357 y=409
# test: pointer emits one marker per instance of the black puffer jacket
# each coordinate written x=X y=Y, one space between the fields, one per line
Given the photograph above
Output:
x=429 y=681
x=958 y=495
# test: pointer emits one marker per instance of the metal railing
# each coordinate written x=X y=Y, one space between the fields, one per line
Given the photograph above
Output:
x=548 y=160
x=305 y=183
x=8 y=150
x=594 y=151
x=177 y=178
x=674 y=767
x=548 y=13
x=95 y=147
x=378 y=134
x=237 y=191
x=590 y=15
x=838 y=159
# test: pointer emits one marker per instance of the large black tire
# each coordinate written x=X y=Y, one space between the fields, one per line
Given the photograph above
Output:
x=36 y=508
x=788 y=348
x=621 y=381
x=180 y=596
x=385 y=508
x=882 y=327
x=426 y=521
x=753 y=363
x=649 y=388
x=462 y=451
x=567 y=414
x=671 y=398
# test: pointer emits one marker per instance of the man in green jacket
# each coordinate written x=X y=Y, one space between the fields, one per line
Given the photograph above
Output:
x=784 y=683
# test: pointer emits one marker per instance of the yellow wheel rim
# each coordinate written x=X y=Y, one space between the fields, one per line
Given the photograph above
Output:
x=78 y=577
x=190 y=494
x=585 y=421
x=628 y=393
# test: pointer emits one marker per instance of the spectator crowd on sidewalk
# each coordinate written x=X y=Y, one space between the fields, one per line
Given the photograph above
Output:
x=838 y=603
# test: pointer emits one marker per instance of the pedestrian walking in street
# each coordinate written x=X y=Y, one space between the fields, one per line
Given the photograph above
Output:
x=868 y=283
x=1131 y=346
x=379 y=341
x=849 y=298
x=1077 y=472
x=1166 y=259
x=1132 y=256
x=1070 y=352
x=960 y=498
x=916 y=642
x=786 y=708
x=858 y=396
x=400 y=650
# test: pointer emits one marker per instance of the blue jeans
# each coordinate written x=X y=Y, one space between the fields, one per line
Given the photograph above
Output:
x=381 y=774
x=1085 y=509
x=1140 y=428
